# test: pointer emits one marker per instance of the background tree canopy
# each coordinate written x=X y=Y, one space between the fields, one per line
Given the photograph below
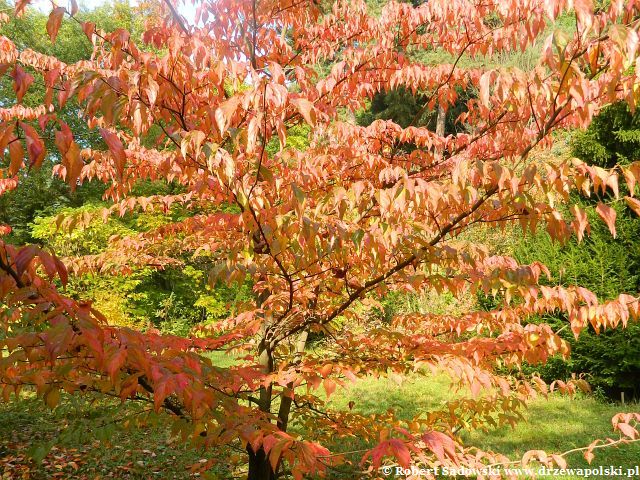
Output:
x=233 y=226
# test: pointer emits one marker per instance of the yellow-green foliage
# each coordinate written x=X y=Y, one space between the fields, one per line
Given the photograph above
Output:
x=174 y=299
x=88 y=239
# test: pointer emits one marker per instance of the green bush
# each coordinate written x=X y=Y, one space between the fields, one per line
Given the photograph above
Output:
x=172 y=299
x=607 y=266
x=613 y=138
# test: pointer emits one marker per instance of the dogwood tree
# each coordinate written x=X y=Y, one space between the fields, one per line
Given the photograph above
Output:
x=324 y=231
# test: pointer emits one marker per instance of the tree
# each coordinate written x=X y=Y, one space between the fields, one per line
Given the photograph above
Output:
x=321 y=232
x=606 y=266
x=40 y=192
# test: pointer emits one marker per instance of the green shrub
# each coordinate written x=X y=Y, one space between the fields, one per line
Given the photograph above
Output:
x=613 y=138
x=607 y=266
x=172 y=299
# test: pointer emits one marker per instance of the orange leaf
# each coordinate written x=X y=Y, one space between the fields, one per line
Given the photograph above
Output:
x=580 y=223
x=73 y=163
x=589 y=456
x=224 y=113
x=16 y=152
x=633 y=204
x=560 y=461
x=329 y=386
x=115 y=147
x=54 y=22
x=21 y=81
x=627 y=430
x=607 y=214
x=52 y=397
x=306 y=108
x=485 y=82
x=152 y=90
x=276 y=452
x=21 y=5
x=35 y=145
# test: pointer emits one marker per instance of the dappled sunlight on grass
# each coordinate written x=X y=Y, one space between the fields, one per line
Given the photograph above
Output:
x=556 y=424
x=407 y=396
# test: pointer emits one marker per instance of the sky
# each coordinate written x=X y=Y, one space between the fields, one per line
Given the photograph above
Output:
x=188 y=10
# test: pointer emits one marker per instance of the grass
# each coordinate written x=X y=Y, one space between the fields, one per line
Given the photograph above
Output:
x=80 y=440
x=556 y=424
x=89 y=445
x=559 y=424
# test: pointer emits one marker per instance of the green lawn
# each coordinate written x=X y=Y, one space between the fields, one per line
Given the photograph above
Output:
x=86 y=444
x=556 y=424
x=84 y=451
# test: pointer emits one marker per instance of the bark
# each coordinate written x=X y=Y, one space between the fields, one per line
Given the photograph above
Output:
x=259 y=466
x=440 y=123
x=285 y=403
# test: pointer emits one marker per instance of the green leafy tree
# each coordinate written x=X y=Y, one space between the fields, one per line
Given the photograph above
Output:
x=607 y=266
x=39 y=193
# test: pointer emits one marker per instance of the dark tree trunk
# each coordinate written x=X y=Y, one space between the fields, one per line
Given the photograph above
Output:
x=259 y=466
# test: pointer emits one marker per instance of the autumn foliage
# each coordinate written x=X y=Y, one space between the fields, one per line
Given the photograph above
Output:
x=324 y=233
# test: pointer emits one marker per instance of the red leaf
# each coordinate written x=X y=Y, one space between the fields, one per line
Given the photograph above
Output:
x=440 y=444
x=48 y=263
x=21 y=81
x=21 y=5
x=35 y=145
x=16 y=152
x=89 y=29
x=116 y=149
x=24 y=258
x=116 y=362
x=54 y=22
x=400 y=451
x=607 y=214
x=62 y=271
x=64 y=137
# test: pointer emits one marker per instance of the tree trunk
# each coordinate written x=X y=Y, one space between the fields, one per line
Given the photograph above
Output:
x=259 y=466
x=285 y=404
x=440 y=123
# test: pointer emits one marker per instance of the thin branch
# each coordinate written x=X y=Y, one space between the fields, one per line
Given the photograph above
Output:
x=177 y=17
